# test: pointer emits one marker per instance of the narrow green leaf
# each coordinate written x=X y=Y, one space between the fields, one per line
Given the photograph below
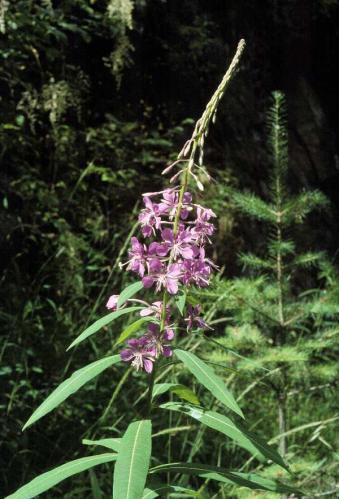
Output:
x=133 y=461
x=132 y=328
x=180 y=301
x=181 y=391
x=236 y=431
x=160 y=388
x=109 y=443
x=250 y=480
x=95 y=487
x=50 y=478
x=71 y=385
x=206 y=376
x=128 y=292
x=99 y=324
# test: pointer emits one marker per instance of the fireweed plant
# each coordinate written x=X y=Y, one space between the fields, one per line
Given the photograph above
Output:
x=169 y=256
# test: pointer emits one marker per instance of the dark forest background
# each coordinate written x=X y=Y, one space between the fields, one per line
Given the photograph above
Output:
x=96 y=97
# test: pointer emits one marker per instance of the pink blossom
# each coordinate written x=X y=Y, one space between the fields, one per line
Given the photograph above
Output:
x=140 y=256
x=169 y=203
x=156 y=309
x=163 y=277
x=202 y=228
x=149 y=217
x=179 y=245
x=112 y=302
x=139 y=353
x=194 y=318
x=154 y=338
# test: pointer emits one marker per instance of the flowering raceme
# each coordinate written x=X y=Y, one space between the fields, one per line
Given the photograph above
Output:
x=175 y=232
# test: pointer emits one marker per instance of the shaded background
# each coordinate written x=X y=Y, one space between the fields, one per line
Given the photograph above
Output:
x=95 y=100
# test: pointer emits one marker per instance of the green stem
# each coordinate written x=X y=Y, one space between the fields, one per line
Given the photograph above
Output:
x=150 y=392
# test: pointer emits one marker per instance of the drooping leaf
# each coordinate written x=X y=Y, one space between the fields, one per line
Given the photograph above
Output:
x=71 y=385
x=99 y=324
x=132 y=328
x=108 y=443
x=207 y=377
x=128 y=292
x=236 y=431
x=250 y=480
x=133 y=461
x=181 y=391
x=47 y=480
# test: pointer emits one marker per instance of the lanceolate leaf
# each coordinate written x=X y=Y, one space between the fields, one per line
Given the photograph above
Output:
x=206 y=376
x=250 y=480
x=108 y=443
x=234 y=430
x=132 y=328
x=180 y=390
x=99 y=324
x=133 y=461
x=71 y=385
x=128 y=292
x=50 y=478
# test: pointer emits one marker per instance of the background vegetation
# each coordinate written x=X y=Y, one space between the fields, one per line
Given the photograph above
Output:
x=96 y=97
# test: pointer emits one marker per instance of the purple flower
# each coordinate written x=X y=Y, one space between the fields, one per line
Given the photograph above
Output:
x=156 y=310
x=112 y=303
x=137 y=255
x=139 y=353
x=169 y=203
x=149 y=217
x=194 y=318
x=140 y=256
x=179 y=245
x=154 y=338
x=202 y=228
x=162 y=276
x=186 y=205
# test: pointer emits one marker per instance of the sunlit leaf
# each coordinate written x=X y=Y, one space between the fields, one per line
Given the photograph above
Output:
x=181 y=391
x=50 y=478
x=71 y=385
x=207 y=377
x=133 y=460
x=99 y=324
